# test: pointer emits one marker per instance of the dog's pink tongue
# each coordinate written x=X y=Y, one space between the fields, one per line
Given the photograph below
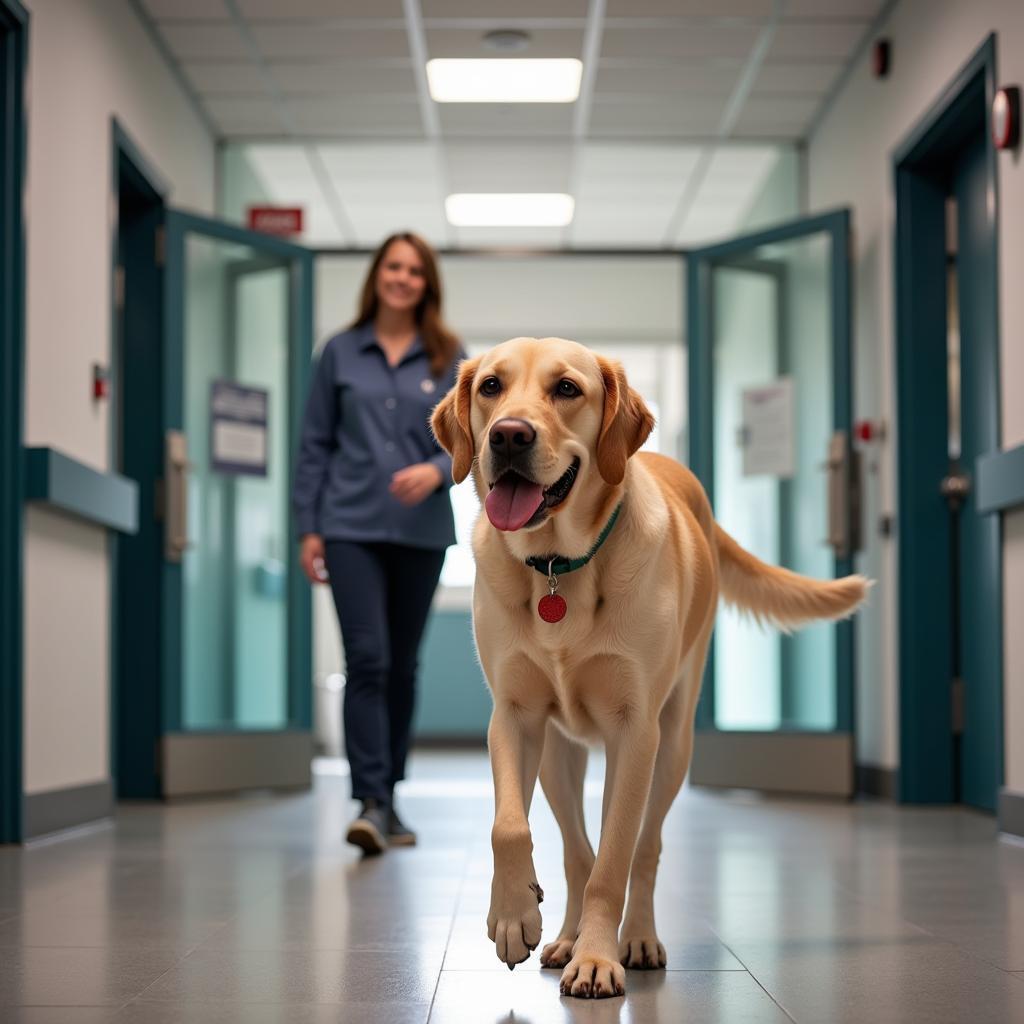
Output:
x=512 y=502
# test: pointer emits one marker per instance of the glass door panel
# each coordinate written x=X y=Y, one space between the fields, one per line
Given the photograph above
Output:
x=770 y=408
x=237 y=634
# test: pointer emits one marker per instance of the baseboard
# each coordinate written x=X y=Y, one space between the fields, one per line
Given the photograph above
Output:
x=1011 y=812
x=873 y=780
x=58 y=809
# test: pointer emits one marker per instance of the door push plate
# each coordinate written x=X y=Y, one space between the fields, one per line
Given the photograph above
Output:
x=176 y=467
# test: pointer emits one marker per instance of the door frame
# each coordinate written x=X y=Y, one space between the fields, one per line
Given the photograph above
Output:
x=926 y=728
x=217 y=760
x=14 y=27
x=700 y=265
x=132 y=748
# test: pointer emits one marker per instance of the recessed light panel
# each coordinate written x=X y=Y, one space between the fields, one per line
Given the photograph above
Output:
x=505 y=80
x=510 y=209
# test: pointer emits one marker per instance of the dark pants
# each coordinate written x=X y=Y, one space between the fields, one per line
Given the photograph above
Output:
x=382 y=593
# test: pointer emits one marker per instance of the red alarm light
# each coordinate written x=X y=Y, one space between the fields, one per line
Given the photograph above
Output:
x=1006 y=118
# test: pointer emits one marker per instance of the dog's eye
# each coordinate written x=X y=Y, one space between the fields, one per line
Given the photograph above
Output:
x=566 y=389
x=490 y=387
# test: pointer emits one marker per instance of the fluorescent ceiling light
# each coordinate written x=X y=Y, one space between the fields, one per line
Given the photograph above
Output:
x=509 y=209
x=505 y=80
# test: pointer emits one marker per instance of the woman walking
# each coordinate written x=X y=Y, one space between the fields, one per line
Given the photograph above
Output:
x=371 y=502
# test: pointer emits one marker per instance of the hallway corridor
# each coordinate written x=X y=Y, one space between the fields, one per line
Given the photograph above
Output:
x=255 y=911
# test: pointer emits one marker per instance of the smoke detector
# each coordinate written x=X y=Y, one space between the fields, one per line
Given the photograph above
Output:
x=507 y=40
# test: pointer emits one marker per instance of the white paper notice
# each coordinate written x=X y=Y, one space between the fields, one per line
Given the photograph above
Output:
x=768 y=436
x=244 y=444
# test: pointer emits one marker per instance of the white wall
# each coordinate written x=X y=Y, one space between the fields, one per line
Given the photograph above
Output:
x=850 y=162
x=89 y=60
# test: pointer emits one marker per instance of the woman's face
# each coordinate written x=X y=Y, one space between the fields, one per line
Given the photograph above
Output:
x=401 y=280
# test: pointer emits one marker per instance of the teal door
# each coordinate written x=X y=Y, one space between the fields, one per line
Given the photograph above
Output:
x=770 y=439
x=236 y=611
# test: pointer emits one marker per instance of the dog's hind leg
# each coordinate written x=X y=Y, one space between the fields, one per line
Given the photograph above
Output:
x=562 y=769
x=639 y=947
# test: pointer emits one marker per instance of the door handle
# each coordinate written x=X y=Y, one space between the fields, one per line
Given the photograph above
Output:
x=176 y=470
x=844 y=475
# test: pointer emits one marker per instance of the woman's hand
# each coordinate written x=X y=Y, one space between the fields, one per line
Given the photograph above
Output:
x=415 y=483
x=311 y=555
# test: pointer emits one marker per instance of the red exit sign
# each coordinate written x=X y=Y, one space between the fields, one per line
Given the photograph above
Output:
x=276 y=220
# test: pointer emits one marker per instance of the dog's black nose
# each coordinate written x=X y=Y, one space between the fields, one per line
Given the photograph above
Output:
x=509 y=436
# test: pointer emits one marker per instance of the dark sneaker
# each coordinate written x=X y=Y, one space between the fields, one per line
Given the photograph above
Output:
x=369 y=831
x=398 y=834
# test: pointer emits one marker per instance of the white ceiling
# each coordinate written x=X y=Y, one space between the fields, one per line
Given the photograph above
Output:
x=684 y=109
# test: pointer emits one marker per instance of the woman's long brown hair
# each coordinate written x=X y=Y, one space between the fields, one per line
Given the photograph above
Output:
x=441 y=344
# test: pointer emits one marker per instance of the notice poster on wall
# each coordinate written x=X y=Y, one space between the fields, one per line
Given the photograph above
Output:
x=238 y=429
x=768 y=435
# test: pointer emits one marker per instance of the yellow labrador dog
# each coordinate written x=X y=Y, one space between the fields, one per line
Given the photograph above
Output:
x=598 y=576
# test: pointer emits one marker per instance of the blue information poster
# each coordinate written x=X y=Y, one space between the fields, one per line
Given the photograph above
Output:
x=238 y=429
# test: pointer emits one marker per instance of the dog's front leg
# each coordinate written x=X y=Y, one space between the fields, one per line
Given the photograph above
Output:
x=594 y=969
x=516 y=741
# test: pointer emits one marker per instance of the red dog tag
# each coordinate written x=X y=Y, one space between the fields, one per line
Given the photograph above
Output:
x=551 y=607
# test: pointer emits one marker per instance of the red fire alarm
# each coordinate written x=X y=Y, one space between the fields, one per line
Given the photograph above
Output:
x=869 y=430
x=100 y=382
x=880 y=58
x=1006 y=118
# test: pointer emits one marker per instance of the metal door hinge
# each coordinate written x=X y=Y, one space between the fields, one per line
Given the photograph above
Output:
x=119 y=287
x=160 y=250
x=957 y=706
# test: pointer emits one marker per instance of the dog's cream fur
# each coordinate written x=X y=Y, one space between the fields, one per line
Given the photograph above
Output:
x=625 y=664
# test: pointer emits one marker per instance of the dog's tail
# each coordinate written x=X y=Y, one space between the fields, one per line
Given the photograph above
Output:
x=781 y=597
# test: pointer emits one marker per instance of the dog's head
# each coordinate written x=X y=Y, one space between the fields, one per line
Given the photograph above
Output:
x=542 y=420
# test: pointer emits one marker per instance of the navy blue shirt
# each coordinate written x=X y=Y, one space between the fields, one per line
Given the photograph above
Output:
x=364 y=421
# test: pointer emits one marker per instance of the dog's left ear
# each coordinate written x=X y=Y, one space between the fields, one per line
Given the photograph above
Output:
x=626 y=424
x=450 y=421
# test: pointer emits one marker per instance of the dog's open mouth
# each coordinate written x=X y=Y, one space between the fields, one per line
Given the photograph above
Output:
x=515 y=501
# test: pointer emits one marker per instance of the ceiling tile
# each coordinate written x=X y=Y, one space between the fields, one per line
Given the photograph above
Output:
x=244 y=114
x=187 y=10
x=512 y=238
x=329 y=40
x=701 y=77
x=865 y=9
x=777 y=110
x=375 y=221
x=656 y=115
x=797 y=78
x=635 y=170
x=345 y=77
x=225 y=77
x=495 y=120
x=361 y=119
x=502 y=10
x=204 y=42
x=295 y=10
x=823 y=40
x=504 y=168
x=409 y=170
x=632 y=221
x=468 y=42
x=731 y=40
x=689 y=8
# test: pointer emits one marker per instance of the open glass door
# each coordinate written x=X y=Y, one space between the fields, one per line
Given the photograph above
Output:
x=236 y=621
x=770 y=430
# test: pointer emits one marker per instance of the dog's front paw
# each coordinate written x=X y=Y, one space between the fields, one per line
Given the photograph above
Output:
x=643 y=953
x=557 y=953
x=514 y=922
x=593 y=977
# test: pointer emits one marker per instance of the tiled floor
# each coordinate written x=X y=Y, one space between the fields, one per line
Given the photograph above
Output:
x=254 y=911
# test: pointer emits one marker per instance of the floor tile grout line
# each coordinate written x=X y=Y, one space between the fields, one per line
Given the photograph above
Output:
x=756 y=979
x=451 y=929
